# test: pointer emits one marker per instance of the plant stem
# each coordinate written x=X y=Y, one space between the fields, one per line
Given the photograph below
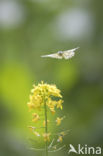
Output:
x=46 y=127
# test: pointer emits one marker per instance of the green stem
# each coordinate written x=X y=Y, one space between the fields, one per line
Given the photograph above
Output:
x=46 y=127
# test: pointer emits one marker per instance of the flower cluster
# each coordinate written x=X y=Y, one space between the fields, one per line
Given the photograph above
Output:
x=45 y=92
x=45 y=98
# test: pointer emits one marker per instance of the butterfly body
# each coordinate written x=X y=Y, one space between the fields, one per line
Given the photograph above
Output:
x=63 y=54
x=60 y=53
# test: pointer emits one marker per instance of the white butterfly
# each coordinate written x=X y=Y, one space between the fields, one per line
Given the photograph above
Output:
x=62 y=54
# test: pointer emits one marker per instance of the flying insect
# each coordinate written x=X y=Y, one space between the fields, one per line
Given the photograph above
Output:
x=62 y=54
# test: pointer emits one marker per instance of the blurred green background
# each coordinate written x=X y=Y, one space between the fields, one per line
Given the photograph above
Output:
x=31 y=28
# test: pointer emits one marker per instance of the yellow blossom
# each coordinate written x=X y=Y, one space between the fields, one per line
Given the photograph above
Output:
x=58 y=121
x=35 y=117
x=51 y=103
x=59 y=104
x=46 y=136
x=30 y=105
x=54 y=91
x=52 y=111
x=45 y=123
x=44 y=91
x=42 y=98
x=35 y=102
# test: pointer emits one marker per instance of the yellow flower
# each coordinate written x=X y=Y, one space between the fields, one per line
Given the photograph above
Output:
x=52 y=90
x=51 y=103
x=35 y=117
x=44 y=91
x=36 y=133
x=46 y=136
x=42 y=98
x=52 y=111
x=35 y=102
x=44 y=122
x=59 y=104
x=30 y=105
x=58 y=121
x=60 y=139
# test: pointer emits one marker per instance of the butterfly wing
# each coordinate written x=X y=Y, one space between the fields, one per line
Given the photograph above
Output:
x=69 y=53
x=55 y=55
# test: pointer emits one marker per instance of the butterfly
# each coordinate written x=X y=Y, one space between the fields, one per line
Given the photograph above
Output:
x=63 y=54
